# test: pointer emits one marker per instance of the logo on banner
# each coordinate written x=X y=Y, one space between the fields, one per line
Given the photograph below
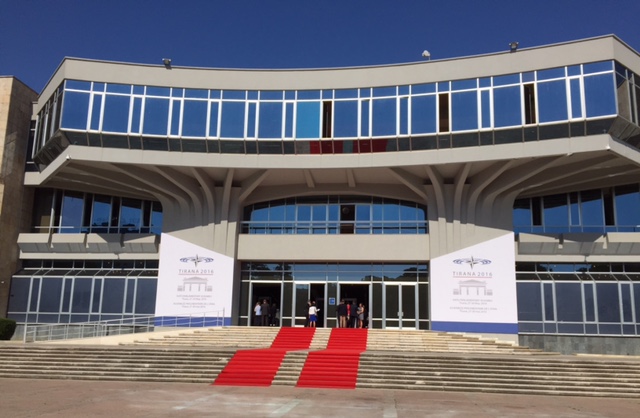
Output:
x=473 y=286
x=196 y=280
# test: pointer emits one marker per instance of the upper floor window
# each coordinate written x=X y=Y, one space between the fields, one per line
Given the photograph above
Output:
x=335 y=215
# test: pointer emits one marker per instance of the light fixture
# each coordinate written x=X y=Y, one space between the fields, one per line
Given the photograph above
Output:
x=513 y=46
x=426 y=54
x=167 y=63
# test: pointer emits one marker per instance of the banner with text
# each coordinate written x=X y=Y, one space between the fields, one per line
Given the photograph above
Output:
x=474 y=289
x=194 y=285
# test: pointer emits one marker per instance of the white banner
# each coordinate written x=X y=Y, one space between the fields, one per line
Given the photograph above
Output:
x=192 y=280
x=474 y=289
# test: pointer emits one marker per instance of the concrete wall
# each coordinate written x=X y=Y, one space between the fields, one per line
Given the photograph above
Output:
x=584 y=345
x=15 y=115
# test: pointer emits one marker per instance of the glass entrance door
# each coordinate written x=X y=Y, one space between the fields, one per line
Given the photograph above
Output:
x=400 y=305
x=305 y=292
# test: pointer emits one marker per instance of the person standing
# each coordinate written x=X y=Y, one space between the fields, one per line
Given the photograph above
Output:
x=353 y=315
x=273 y=314
x=342 y=314
x=361 y=312
x=313 y=315
x=257 y=311
x=265 y=313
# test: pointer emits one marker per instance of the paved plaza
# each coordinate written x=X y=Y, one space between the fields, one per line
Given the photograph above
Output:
x=75 y=398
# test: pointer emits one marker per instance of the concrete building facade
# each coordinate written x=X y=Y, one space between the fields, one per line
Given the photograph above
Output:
x=392 y=186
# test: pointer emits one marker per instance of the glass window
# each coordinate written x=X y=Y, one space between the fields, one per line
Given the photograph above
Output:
x=232 y=120
x=308 y=120
x=504 y=80
x=556 y=212
x=19 y=295
x=213 y=119
x=288 y=124
x=464 y=110
x=608 y=302
x=404 y=116
x=130 y=215
x=346 y=94
x=627 y=208
x=101 y=214
x=552 y=101
x=270 y=125
x=345 y=119
x=576 y=98
x=464 y=84
x=384 y=117
x=507 y=106
x=599 y=92
x=95 y=112
x=194 y=118
x=75 y=110
x=384 y=91
x=113 y=296
x=592 y=208
x=597 y=67
x=271 y=95
x=485 y=98
x=308 y=94
x=146 y=296
x=116 y=113
x=158 y=91
x=156 y=219
x=196 y=94
x=569 y=302
x=135 y=115
x=251 y=119
x=71 y=212
x=156 y=116
x=529 y=301
x=81 y=295
x=78 y=85
x=551 y=73
x=364 y=117
x=549 y=312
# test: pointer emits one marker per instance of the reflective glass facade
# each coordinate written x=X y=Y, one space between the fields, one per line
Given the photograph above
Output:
x=584 y=299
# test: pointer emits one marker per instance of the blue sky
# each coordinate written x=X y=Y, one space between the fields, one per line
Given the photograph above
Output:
x=35 y=35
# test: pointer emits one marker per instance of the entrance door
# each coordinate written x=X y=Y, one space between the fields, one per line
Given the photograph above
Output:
x=400 y=305
x=305 y=292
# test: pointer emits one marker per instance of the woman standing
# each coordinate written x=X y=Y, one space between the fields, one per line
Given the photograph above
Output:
x=313 y=314
x=361 y=315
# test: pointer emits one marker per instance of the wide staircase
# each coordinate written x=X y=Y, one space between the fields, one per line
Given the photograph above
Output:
x=329 y=358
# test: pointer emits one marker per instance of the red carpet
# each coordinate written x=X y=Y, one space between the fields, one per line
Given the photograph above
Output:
x=294 y=338
x=337 y=366
x=251 y=368
x=259 y=367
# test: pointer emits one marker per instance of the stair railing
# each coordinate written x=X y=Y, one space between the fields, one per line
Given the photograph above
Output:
x=128 y=325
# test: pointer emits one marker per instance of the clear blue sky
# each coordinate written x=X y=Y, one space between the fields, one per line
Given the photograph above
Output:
x=35 y=35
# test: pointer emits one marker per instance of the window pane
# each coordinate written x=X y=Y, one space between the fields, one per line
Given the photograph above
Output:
x=345 y=119
x=288 y=125
x=116 y=113
x=599 y=92
x=81 y=296
x=556 y=211
x=507 y=106
x=529 y=302
x=213 y=119
x=71 y=217
x=576 y=98
x=627 y=207
x=549 y=314
x=552 y=101
x=75 y=110
x=522 y=212
x=194 y=118
x=146 y=296
x=464 y=109
x=156 y=116
x=113 y=297
x=364 y=117
x=130 y=216
x=486 y=108
x=270 y=120
x=423 y=114
x=308 y=120
x=50 y=295
x=592 y=208
x=384 y=117
x=608 y=302
x=569 y=302
x=19 y=296
x=404 y=116
x=232 y=120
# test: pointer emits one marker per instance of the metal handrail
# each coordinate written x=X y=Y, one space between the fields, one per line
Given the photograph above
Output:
x=131 y=325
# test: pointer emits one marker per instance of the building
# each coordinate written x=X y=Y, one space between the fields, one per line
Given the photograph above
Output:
x=494 y=194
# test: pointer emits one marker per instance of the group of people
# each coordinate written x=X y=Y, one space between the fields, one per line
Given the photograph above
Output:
x=266 y=315
x=351 y=316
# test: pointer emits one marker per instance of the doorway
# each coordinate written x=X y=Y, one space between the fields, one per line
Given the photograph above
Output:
x=271 y=292
x=305 y=292
x=358 y=293
x=400 y=305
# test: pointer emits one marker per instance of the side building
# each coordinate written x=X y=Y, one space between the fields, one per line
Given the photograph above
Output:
x=495 y=194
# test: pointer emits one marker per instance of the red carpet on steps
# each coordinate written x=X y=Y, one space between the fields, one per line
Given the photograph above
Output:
x=259 y=367
x=337 y=366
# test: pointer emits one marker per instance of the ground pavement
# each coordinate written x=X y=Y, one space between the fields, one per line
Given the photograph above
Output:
x=74 y=398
